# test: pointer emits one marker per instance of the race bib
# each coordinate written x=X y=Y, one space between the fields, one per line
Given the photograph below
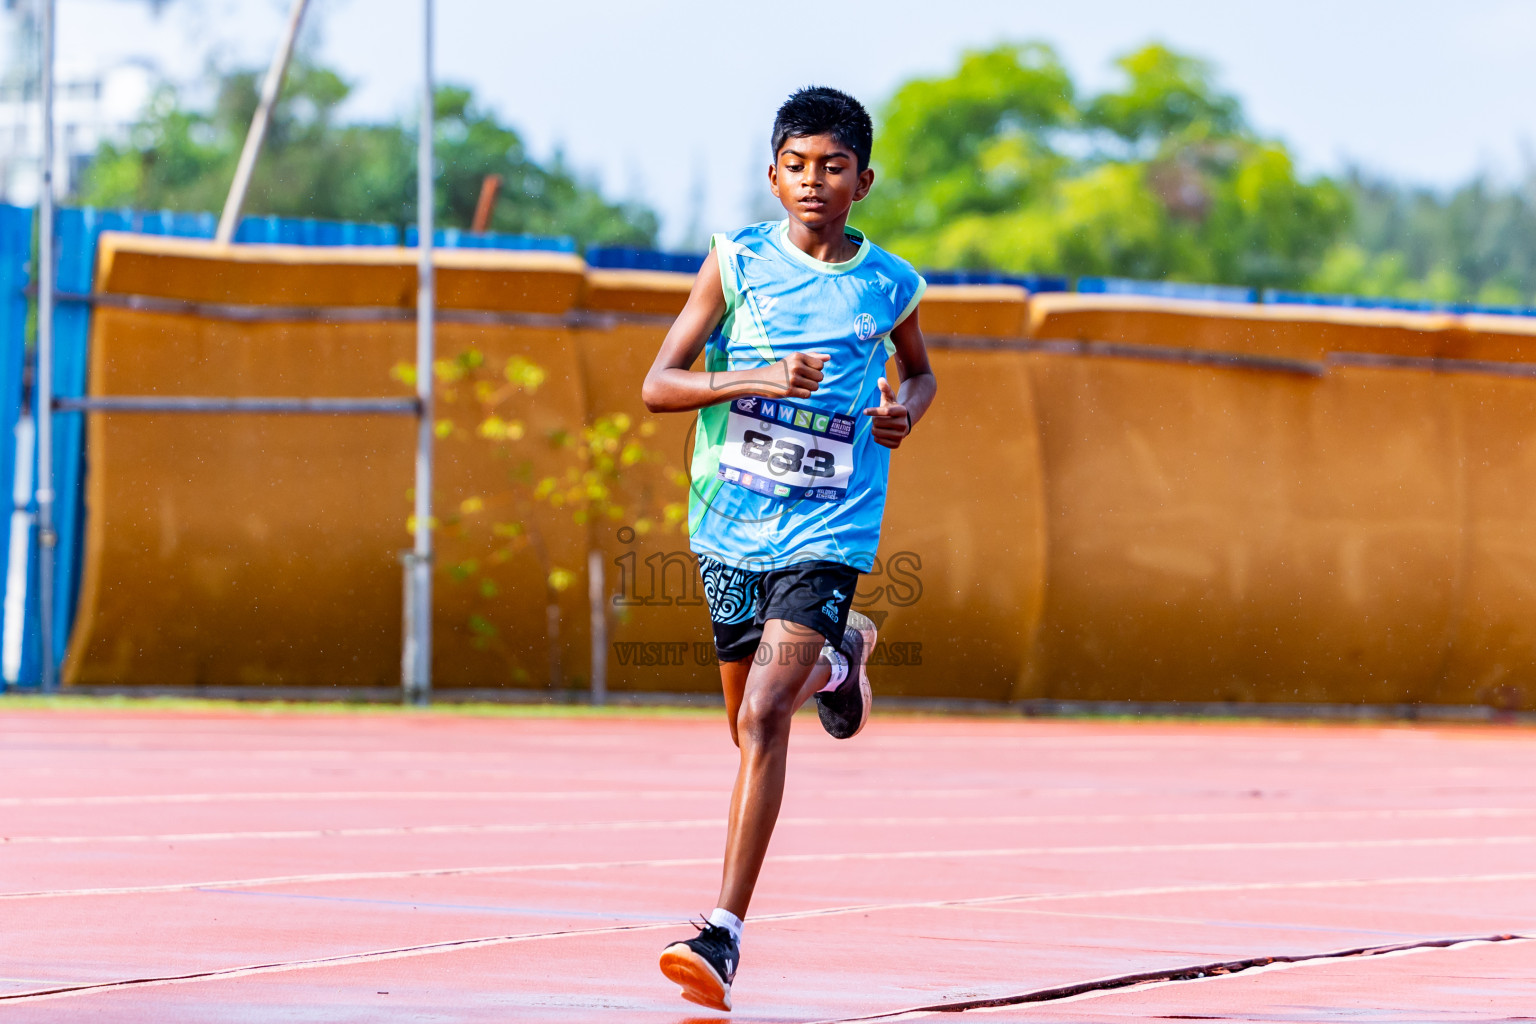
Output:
x=786 y=450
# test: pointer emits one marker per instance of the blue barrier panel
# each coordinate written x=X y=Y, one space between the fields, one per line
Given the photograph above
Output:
x=77 y=232
x=1281 y=297
x=259 y=231
x=308 y=231
x=174 y=223
x=1166 y=289
x=453 y=238
x=369 y=234
x=614 y=257
x=15 y=272
x=15 y=275
x=285 y=230
x=1033 y=283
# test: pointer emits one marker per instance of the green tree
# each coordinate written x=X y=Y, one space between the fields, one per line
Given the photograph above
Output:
x=977 y=142
x=314 y=165
x=1002 y=166
x=1166 y=94
x=590 y=472
x=1474 y=243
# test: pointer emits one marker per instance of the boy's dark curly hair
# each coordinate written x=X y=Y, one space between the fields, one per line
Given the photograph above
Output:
x=818 y=110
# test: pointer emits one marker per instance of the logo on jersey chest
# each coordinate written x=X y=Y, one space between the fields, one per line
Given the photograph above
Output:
x=864 y=327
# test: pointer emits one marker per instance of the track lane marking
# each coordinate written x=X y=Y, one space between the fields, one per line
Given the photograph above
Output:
x=373 y=833
x=1201 y=921
x=817 y=858
x=1196 y=974
x=905 y=822
x=290 y=796
x=327 y=796
x=456 y=945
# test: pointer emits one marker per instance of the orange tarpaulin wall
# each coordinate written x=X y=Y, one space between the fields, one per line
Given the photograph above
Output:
x=1069 y=522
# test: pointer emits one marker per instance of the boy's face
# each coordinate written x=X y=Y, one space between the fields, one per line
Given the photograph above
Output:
x=818 y=179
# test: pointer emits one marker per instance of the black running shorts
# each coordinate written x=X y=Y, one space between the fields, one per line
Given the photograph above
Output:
x=816 y=595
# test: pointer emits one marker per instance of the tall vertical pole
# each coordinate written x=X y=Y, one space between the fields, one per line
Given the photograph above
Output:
x=46 y=538
x=416 y=670
x=229 y=220
x=597 y=602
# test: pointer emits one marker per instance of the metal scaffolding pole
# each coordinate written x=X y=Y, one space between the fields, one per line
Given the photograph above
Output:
x=46 y=538
x=416 y=655
x=229 y=220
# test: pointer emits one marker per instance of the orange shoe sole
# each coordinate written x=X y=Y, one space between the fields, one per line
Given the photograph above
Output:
x=698 y=980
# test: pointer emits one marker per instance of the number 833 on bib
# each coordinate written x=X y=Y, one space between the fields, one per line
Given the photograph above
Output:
x=787 y=450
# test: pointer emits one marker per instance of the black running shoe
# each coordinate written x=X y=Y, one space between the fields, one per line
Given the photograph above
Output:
x=704 y=966
x=845 y=709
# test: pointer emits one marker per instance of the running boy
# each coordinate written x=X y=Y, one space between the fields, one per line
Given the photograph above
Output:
x=796 y=421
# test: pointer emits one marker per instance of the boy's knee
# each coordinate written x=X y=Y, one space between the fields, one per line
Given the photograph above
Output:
x=765 y=716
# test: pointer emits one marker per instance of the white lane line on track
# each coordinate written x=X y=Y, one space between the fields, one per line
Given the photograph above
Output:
x=689 y=823
x=290 y=796
x=1124 y=984
x=1164 y=890
x=803 y=858
x=366 y=833
x=430 y=949
x=287 y=796
x=1204 y=922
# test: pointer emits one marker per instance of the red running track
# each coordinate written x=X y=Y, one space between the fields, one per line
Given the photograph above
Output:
x=244 y=866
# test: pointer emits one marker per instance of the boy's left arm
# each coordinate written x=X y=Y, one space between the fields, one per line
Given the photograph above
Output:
x=896 y=414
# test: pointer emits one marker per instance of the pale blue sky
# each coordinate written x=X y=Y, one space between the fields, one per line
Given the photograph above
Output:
x=654 y=97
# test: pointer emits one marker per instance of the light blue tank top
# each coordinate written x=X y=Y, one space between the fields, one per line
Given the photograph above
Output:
x=779 y=482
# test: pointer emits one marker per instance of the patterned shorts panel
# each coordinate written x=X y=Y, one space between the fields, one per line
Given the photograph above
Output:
x=816 y=595
x=733 y=594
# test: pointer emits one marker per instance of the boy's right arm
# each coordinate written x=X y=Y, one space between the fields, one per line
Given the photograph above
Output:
x=671 y=386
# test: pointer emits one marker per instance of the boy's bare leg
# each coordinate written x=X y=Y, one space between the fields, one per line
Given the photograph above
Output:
x=770 y=695
x=733 y=683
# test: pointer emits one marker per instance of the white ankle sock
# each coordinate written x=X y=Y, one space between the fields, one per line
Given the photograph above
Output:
x=722 y=918
x=839 y=663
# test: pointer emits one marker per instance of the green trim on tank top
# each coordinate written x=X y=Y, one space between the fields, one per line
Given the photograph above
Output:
x=751 y=330
x=804 y=258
